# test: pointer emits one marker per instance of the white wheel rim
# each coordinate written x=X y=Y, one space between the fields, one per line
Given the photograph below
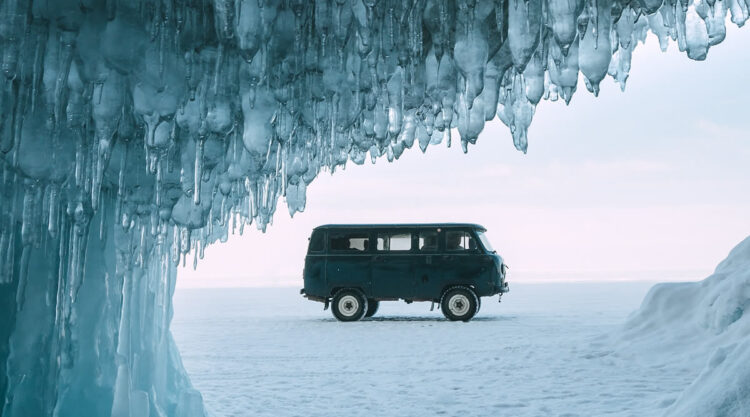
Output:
x=459 y=304
x=348 y=305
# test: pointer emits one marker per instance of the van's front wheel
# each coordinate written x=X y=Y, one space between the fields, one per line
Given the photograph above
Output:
x=459 y=303
x=349 y=305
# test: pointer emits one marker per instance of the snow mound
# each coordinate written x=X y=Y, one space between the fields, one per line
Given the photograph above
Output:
x=690 y=322
x=723 y=387
x=717 y=305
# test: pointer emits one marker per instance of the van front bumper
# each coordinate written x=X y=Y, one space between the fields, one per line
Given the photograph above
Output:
x=502 y=289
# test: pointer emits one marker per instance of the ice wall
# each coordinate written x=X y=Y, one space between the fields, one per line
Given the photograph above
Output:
x=96 y=347
x=135 y=131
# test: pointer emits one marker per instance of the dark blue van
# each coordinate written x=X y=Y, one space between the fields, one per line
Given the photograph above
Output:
x=354 y=267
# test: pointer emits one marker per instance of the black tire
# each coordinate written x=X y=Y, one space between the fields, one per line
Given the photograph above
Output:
x=459 y=303
x=349 y=304
x=372 y=307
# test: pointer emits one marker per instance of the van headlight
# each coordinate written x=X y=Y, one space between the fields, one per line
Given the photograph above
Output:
x=503 y=269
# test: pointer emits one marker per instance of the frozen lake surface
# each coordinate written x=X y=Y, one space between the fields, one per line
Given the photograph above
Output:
x=544 y=351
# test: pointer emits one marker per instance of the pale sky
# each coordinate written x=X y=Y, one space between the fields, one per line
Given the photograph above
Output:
x=649 y=184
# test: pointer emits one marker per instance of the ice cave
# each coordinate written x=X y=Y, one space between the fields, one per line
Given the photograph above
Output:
x=134 y=133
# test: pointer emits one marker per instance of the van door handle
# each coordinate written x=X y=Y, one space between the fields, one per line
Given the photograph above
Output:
x=448 y=257
x=428 y=260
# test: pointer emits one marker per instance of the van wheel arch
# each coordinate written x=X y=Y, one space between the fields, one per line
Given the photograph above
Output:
x=452 y=286
x=372 y=307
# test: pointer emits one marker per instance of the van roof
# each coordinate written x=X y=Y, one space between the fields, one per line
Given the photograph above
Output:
x=400 y=225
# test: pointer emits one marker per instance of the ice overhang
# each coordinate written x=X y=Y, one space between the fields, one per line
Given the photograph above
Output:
x=198 y=115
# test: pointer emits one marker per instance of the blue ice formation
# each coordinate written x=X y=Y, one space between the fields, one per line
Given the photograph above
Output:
x=135 y=131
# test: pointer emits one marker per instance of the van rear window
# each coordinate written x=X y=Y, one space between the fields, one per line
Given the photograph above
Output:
x=316 y=242
x=349 y=242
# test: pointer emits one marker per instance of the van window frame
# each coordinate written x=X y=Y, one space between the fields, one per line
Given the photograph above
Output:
x=438 y=248
x=358 y=232
x=470 y=232
x=377 y=232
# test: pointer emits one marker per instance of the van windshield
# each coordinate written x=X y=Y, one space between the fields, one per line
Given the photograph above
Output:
x=485 y=242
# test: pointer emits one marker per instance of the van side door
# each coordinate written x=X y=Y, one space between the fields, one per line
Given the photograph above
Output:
x=392 y=271
x=348 y=263
x=427 y=265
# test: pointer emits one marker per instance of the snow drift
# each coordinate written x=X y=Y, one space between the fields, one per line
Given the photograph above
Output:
x=692 y=322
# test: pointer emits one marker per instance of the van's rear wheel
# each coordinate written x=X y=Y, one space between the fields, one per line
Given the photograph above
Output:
x=459 y=303
x=349 y=305
x=372 y=307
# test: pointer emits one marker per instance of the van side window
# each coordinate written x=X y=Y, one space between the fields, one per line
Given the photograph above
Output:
x=316 y=241
x=459 y=240
x=394 y=241
x=428 y=240
x=349 y=242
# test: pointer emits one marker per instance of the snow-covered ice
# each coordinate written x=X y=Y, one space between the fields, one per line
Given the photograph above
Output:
x=545 y=351
x=563 y=349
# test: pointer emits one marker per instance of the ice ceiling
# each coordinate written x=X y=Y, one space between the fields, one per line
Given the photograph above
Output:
x=144 y=129
x=197 y=111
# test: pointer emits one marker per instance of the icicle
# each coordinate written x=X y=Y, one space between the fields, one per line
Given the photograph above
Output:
x=198 y=171
x=66 y=44
x=195 y=256
x=102 y=221
x=54 y=211
x=6 y=275
x=176 y=242
x=23 y=278
x=27 y=216
x=121 y=182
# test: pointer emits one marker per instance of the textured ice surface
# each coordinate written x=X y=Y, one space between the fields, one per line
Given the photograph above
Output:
x=539 y=353
x=137 y=130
